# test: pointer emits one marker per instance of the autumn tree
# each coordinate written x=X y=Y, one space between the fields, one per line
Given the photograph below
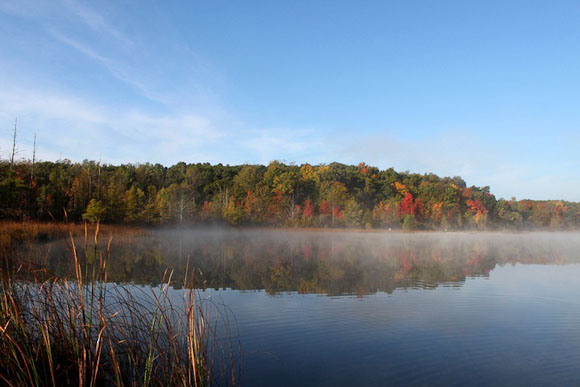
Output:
x=407 y=206
x=385 y=215
x=335 y=194
x=558 y=213
x=507 y=213
x=476 y=212
x=234 y=213
x=308 y=213
x=285 y=186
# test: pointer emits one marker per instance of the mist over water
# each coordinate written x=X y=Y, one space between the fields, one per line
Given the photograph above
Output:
x=376 y=308
x=323 y=262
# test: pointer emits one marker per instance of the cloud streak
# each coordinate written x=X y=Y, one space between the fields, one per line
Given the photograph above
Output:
x=78 y=129
x=117 y=69
x=96 y=22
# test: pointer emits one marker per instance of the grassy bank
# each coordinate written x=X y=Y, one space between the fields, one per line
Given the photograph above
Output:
x=85 y=331
x=15 y=232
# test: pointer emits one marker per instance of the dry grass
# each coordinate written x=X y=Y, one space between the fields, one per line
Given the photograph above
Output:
x=85 y=331
x=12 y=232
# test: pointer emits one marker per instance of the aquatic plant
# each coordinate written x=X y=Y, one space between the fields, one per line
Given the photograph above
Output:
x=86 y=331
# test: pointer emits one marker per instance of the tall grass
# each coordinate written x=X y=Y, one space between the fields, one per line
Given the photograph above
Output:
x=85 y=331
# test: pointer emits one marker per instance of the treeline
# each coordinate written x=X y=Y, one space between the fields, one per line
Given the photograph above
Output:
x=334 y=195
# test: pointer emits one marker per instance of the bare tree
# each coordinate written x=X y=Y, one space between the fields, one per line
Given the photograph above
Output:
x=184 y=204
x=15 y=150
x=99 y=179
x=33 y=160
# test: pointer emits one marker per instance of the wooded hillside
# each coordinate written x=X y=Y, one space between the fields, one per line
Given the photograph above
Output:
x=334 y=195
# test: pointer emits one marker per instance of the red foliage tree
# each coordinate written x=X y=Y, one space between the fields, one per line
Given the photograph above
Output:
x=308 y=208
x=559 y=210
x=419 y=209
x=406 y=206
x=325 y=208
x=250 y=202
x=206 y=211
x=476 y=207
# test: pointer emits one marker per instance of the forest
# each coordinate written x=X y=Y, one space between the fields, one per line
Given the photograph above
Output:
x=277 y=194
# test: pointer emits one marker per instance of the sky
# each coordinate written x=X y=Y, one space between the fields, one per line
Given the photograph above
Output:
x=488 y=90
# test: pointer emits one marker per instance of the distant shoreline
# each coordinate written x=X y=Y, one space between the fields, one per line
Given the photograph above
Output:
x=18 y=231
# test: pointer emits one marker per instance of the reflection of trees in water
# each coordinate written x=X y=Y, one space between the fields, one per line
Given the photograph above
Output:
x=331 y=263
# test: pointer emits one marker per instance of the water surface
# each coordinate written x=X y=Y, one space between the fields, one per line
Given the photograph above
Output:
x=358 y=308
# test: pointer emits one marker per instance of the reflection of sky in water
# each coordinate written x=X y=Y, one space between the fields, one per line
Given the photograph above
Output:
x=521 y=326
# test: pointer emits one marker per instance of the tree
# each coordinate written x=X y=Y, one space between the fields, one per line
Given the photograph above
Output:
x=134 y=201
x=162 y=204
x=335 y=193
x=409 y=222
x=406 y=206
x=285 y=186
x=477 y=212
x=558 y=213
x=33 y=161
x=436 y=214
x=15 y=150
x=182 y=202
x=353 y=213
x=307 y=213
x=384 y=214
x=94 y=211
x=249 y=177
x=234 y=213
x=250 y=207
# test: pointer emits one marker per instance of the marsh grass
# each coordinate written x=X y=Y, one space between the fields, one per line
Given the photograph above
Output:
x=85 y=331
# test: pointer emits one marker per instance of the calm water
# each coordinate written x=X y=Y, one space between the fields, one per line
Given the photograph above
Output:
x=346 y=308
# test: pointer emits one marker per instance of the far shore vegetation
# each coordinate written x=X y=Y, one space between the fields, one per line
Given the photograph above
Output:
x=279 y=195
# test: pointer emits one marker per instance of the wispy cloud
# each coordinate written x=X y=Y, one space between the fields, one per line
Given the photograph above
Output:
x=71 y=11
x=96 y=21
x=32 y=102
x=25 y=8
x=138 y=63
x=117 y=69
x=78 y=129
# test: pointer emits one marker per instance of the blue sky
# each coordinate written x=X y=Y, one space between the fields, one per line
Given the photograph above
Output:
x=485 y=90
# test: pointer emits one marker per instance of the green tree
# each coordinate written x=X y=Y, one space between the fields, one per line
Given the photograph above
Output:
x=134 y=201
x=409 y=222
x=353 y=213
x=94 y=211
x=234 y=213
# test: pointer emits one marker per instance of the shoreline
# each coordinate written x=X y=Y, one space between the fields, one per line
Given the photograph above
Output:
x=44 y=229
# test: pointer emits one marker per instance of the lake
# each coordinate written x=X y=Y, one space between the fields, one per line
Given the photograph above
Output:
x=374 y=308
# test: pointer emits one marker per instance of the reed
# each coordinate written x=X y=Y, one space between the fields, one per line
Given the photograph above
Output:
x=86 y=331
